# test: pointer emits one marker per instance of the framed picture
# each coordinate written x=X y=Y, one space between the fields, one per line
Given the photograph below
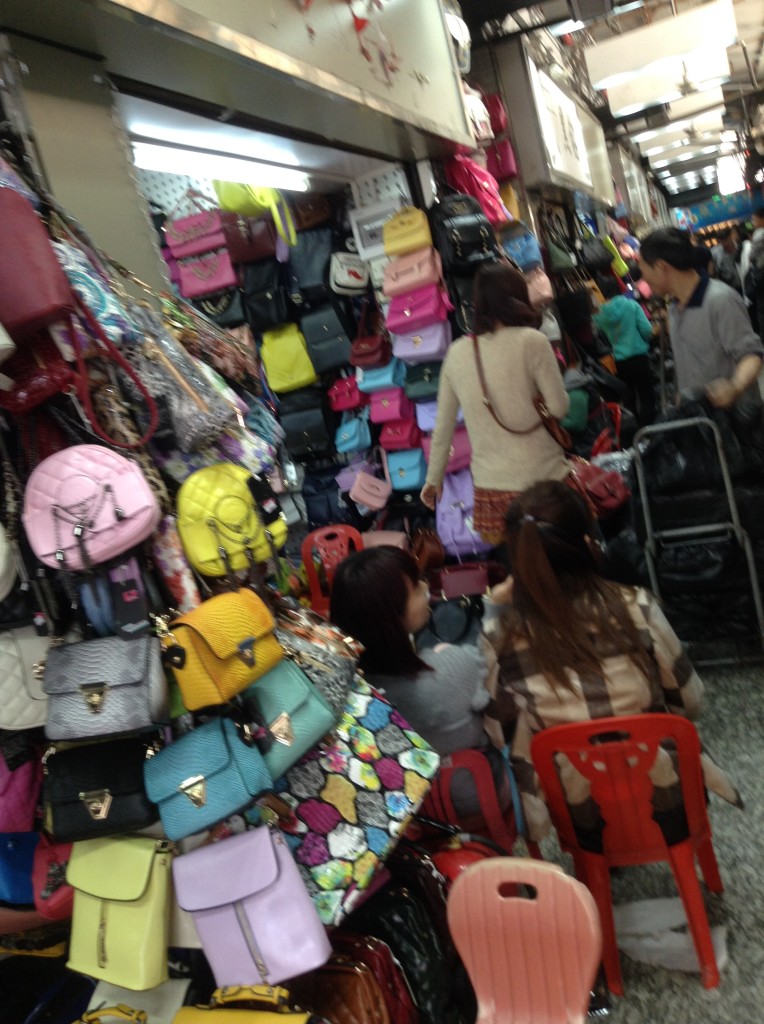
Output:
x=367 y=226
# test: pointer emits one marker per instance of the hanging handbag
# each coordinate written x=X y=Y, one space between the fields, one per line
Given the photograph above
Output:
x=344 y=394
x=522 y=246
x=617 y=264
x=463 y=234
x=205 y=776
x=303 y=417
x=225 y=308
x=255 y=201
x=344 y=992
x=85 y=505
x=295 y=714
x=372 y=346
x=467 y=579
x=310 y=210
x=264 y=295
x=231 y=351
x=378 y=957
x=593 y=254
x=427 y=550
x=353 y=434
x=104 y=687
x=501 y=162
x=369 y=491
x=36 y=373
x=407 y=469
x=326 y=830
x=453 y=516
x=348 y=274
x=411 y=311
x=16 y=858
x=249 y=239
x=328 y=344
x=219 y=648
x=405 y=273
x=422 y=382
x=308 y=262
x=423 y=345
x=53 y=898
x=604 y=490
x=390 y=404
x=89 y=282
x=23 y=704
x=121 y=902
x=459 y=454
x=19 y=793
x=219 y=523
x=379 y=378
x=406 y=231
x=34 y=290
x=399 y=434
x=96 y=790
x=286 y=360
x=539 y=288
x=205 y=274
x=469 y=178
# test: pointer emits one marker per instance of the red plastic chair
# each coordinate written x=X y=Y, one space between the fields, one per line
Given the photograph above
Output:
x=330 y=544
x=497 y=825
x=616 y=755
x=530 y=960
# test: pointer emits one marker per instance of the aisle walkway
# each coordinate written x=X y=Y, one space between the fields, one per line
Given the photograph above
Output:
x=732 y=727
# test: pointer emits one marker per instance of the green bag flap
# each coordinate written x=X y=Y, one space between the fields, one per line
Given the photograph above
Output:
x=112 y=869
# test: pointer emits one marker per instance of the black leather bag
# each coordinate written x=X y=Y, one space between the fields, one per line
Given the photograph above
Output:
x=226 y=308
x=264 y=295
x=594 y=256
x=328 y=344
x=462 y=234
x=96 y=790
x=308 y=264
x=17 y=609
x=303 y=416
x=324 y=504
x=422 y=381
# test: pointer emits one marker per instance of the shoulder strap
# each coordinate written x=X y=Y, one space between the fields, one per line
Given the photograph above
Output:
x=120 y=1011
x=487 y=400
x=266 y=994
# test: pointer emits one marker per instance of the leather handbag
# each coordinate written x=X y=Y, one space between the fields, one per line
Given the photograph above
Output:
x=255 y=201
x=539 y=288
x=121 y=910
x=286 y=360
x=344 y=394
x=370 y=492
x=220 y=648
x=263 y=1004
x=427 y=549
x=344 y=991
x=459 y=453
x=408 y=469
x=264 y=294
x=348 y=274
x=219 y=523
x=405 y=273
x=310 y=210
x=463 y=234
x=469 y=178
x=250 y=239
x=422 y=383
x=371 y=346
x=501 y=162
x=16 y=859
x=104 y=687
x=304 y=421
x=253 y=914
x=34 y=291
x=399 y=434
x=23 y=704
x=604 y=490
x=308 y=262
x=411 y=311
x=205 y=274
x=195 y=233
x=225 y=308
x=328 y=344
x=295 y=714
x=378 y=957
x=425 y=345
x=96 y=790
x=594 y=255
x=206 y=775
x=390 y=404
x=406 y=231
x=353 y=434
x=522 y=246
x=19 y=794
x=37 y=372
x=453 y=516
x=85 y=505
x=53 y=897
x=392 y=375
x=467 y=579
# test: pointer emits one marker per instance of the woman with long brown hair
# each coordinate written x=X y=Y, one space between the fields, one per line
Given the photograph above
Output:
x=573 y=646
x=510 y=447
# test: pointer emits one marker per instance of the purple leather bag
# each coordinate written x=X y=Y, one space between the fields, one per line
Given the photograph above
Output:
x=255 y=919
x=453 y=516
x=425 y=345
x=426 y=414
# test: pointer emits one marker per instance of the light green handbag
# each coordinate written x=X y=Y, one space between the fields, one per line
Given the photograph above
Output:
x=121 y=910
x=285 y=357
x=618 y=264
x=254 y=202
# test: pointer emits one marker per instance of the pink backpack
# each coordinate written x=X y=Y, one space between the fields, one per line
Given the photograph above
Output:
x=85 y=505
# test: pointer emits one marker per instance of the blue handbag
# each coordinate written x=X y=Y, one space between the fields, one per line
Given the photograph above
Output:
x=294 y=712
x=407 y=469
x=353 y=434
x=16 y=857
x=391 y=376
x=205 y=776
x=524 y=250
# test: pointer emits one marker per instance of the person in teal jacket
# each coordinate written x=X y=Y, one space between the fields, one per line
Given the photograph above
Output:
x=628 y=330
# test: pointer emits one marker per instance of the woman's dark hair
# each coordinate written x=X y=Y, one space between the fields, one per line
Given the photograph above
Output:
x=609 y=287
x=570 y=617
x=500 y=295
x=672 y=245
x=369 y=596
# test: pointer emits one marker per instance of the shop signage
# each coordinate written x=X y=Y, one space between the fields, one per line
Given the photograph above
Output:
x=715 y=210
x=561 y=129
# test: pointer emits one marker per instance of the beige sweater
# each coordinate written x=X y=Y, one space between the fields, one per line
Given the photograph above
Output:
x=519 y=364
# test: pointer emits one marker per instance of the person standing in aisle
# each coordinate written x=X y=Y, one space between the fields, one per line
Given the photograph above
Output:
x=726 y=257
x=716 y=350
x=628 y=330
x=755 y=276
x=510 y=447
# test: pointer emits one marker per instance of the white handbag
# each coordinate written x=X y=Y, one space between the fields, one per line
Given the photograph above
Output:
x=23 y=703
x=7 y=565
x=348 y=274
x=160 y=1004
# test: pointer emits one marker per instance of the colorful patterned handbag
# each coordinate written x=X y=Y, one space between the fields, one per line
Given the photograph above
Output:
x=352 y=799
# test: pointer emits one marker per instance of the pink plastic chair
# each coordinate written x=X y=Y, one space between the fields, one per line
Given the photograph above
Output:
x=615 y=755
x=330 y=544
x=530 y=960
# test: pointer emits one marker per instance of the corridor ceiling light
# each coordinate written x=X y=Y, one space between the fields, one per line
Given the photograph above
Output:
x=705 y=70
x=204 y=164
x=729 y=170
x=644 y=50
x=689 y=105
x=564 y=28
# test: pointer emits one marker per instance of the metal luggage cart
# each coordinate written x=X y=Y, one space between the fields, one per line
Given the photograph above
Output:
x=730 y=527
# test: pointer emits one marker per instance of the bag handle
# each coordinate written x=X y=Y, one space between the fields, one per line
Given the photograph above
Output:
x=267 y=994
x=121 y=1011
x=487 y=400
x=385 y=468
x=282 y=218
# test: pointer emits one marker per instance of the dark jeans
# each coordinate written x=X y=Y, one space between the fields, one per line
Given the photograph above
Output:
x=636 y=373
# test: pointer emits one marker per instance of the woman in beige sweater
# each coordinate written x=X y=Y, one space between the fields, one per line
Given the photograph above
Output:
x=518 y=364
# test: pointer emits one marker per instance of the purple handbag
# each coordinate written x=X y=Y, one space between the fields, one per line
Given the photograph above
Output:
x=347 y=475
x=426 y=414
x=255 y=919
x=453 y=516
x=425 y=345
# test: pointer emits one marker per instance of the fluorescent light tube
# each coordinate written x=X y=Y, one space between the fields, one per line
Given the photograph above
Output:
x=198 y=164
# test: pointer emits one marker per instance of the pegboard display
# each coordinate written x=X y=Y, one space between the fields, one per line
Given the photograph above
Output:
x=167 y=190
x=388 y=183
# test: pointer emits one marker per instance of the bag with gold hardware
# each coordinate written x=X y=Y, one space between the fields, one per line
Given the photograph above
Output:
x=220 y=648
x=219 y=524
x=96 y=790
x=104 y=687
x=259 y=1004
x=406 y=231
x=255 y=919
x=205 y=776
x=159 y=1004
x=346 y=991
x=121 y=910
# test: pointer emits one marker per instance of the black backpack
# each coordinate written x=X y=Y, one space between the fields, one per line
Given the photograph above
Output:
x=462 y=234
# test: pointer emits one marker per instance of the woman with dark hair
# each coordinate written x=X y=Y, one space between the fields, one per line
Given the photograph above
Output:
x=573 y=646
x=510 y=447
x=379 y=598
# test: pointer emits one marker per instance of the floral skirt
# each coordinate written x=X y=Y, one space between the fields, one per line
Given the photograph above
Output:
x=491 y=509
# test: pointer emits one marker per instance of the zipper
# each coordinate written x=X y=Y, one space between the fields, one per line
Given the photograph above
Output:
x=249 y=938
x=101 y=936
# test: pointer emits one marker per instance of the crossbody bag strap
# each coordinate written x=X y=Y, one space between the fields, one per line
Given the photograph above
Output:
x=120 y=1011
x=487 y=400
x=385 y=469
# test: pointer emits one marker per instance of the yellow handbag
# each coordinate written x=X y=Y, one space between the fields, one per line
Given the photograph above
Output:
x=252 y=201
x=406 y=231
x=220 y=648
x=263 y=1004
x=120 y=1011
x=510 y=200
x=218 y=521
x=618 y=264
x=121 y=910
x=286 y=360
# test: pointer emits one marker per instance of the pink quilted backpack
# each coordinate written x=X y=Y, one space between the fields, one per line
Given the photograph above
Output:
x=85 y=505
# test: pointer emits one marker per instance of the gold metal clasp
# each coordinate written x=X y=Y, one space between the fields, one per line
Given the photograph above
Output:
x=281 y=729
x=98 y=803
x=94 y=694
x=195 y=788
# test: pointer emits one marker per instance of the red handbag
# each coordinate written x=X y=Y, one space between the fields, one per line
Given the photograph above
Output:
x=53 y=898
x=469 y=177
x=372 y=346
x=378 y=957
x=38 y=372
x=604 y=489
x=344 y=395
x=400 y=434
x=249 y=239
x=467 y=579
x=34 y=291
x=497 y=112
